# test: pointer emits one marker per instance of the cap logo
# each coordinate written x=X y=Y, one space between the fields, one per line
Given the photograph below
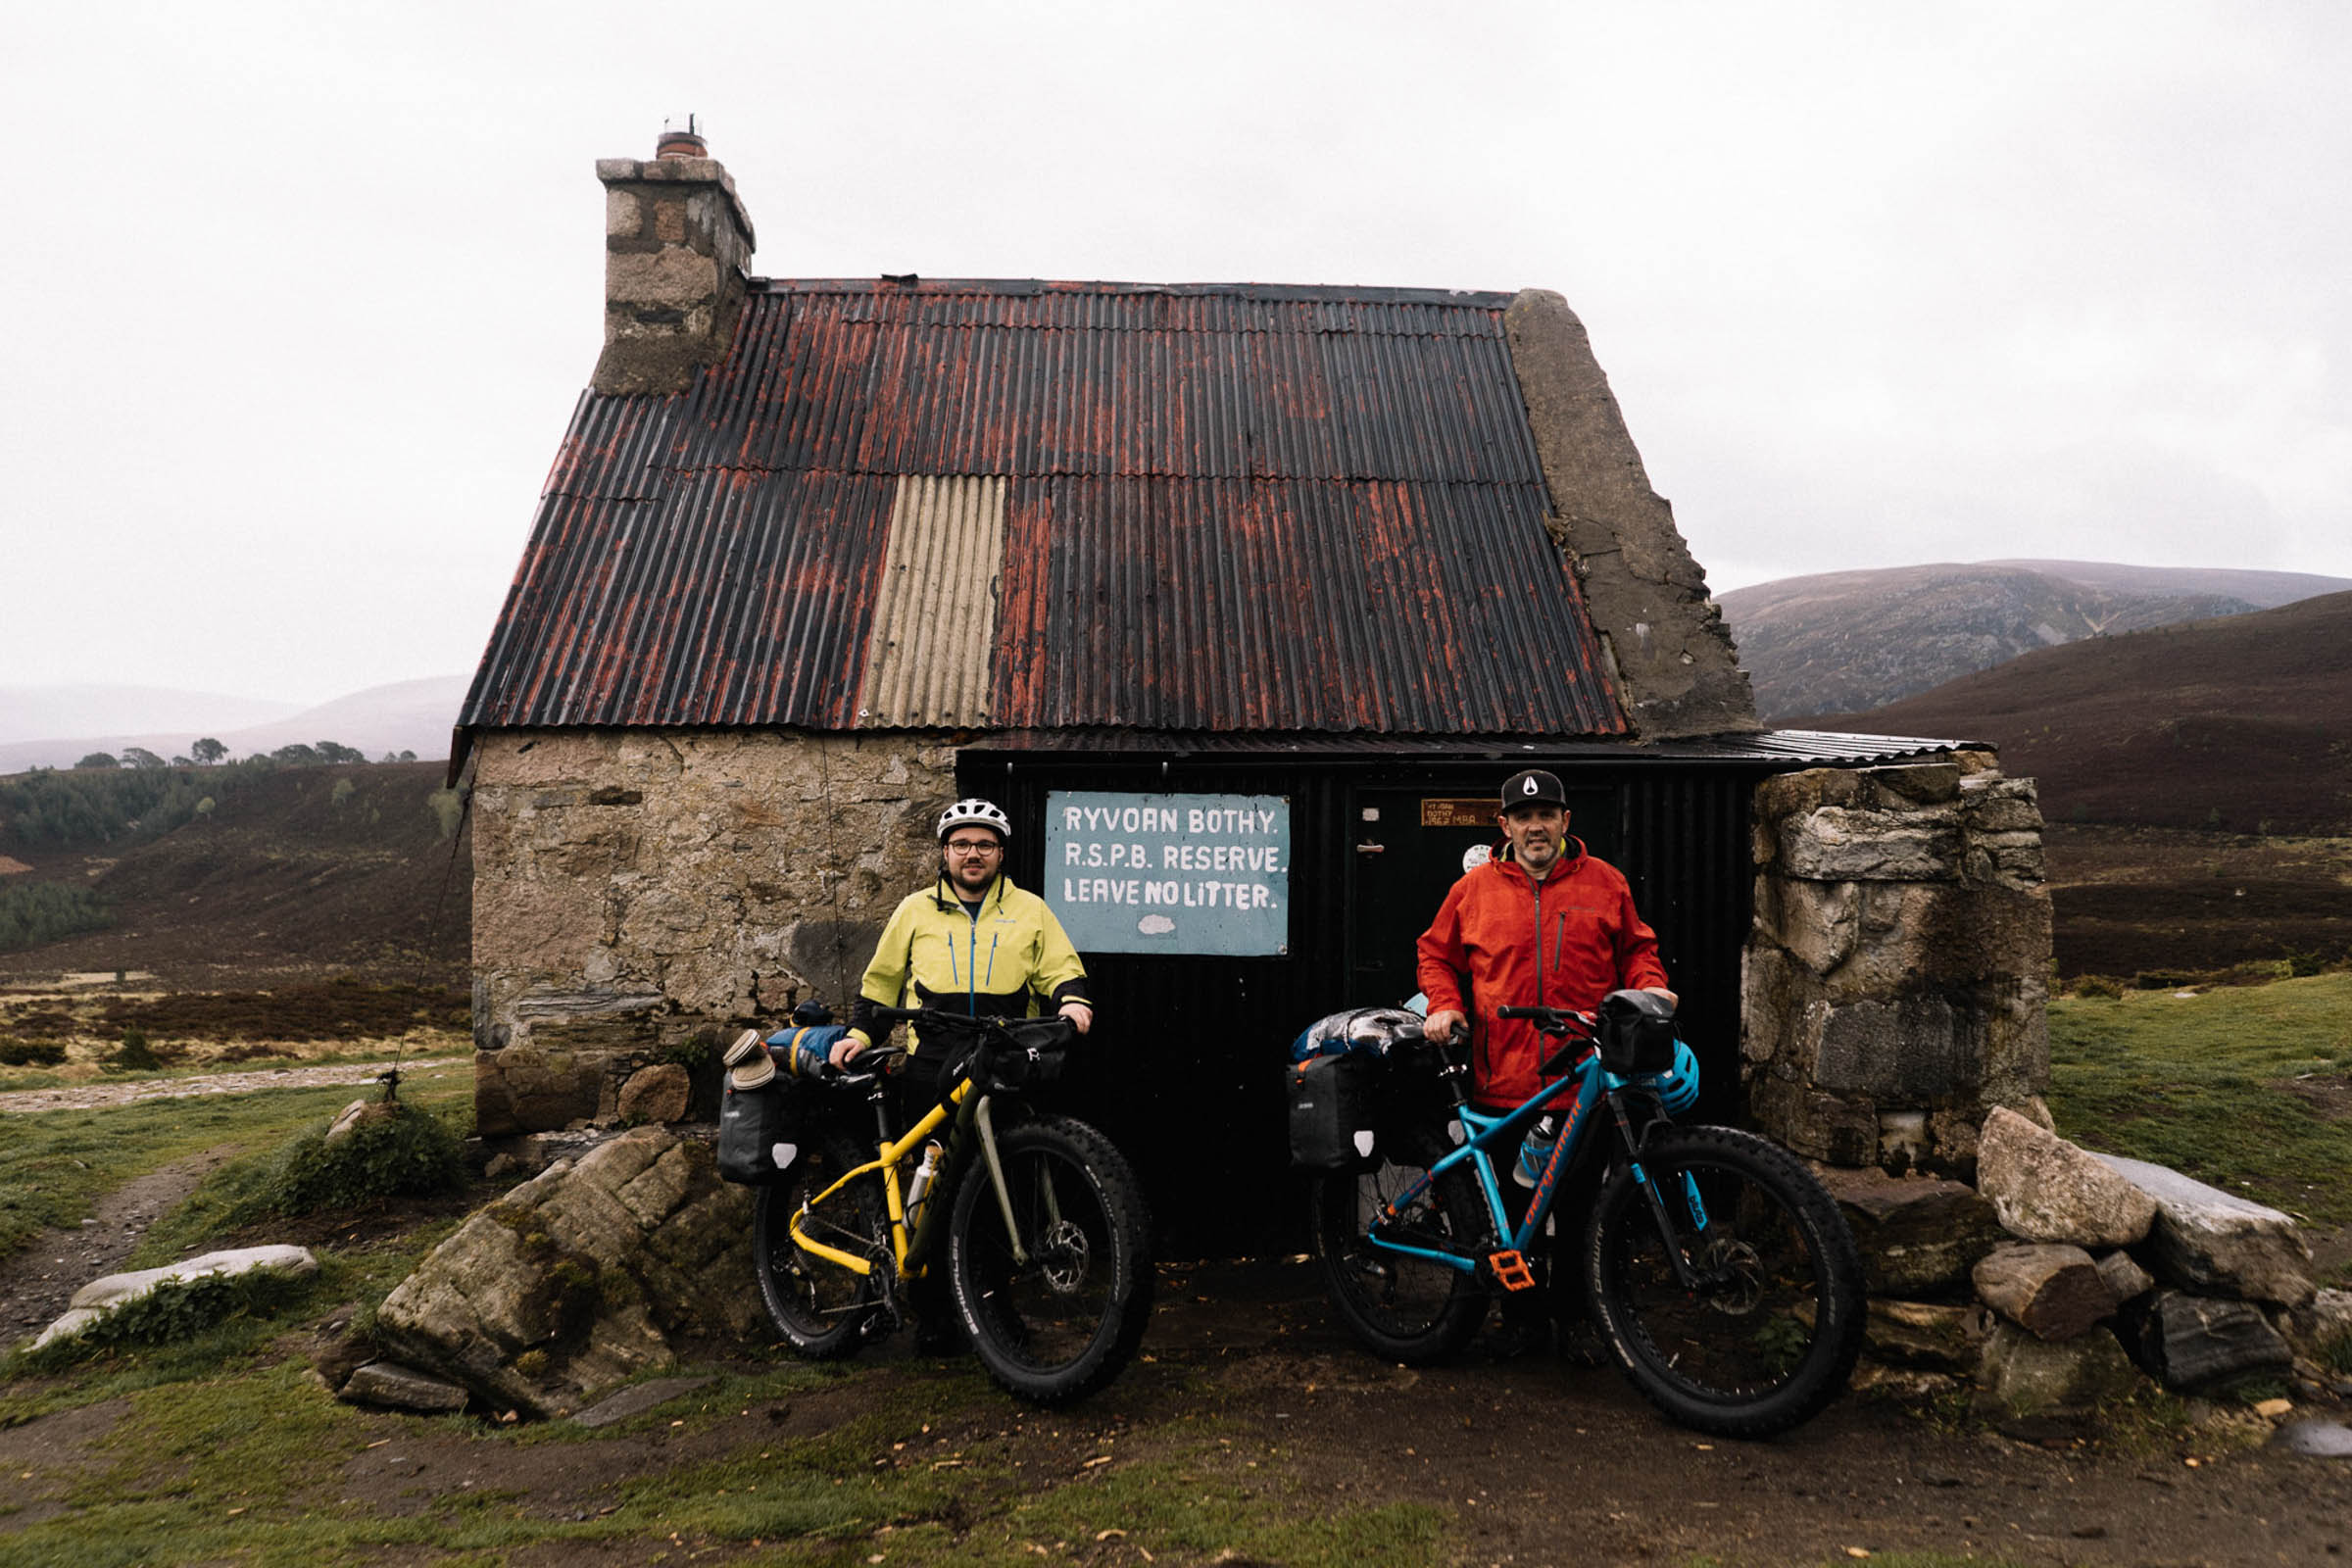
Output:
x=1528 y=787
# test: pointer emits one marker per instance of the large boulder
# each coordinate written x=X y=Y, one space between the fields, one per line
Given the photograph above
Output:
x=2320 y=1325
x=1918 y=1235
x=2030 y=1388
x=581 y=1277
x=2044 y=1188
x=2219 y=1243
x=2194 y=1343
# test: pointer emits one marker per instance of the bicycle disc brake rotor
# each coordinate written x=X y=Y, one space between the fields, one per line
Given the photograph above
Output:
x=1063 y=1254
x=1731 y=1276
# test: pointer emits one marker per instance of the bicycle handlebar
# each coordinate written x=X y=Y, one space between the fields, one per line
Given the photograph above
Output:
x=1554 y=1021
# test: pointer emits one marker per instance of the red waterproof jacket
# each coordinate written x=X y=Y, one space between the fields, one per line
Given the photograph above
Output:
x=1504 y=939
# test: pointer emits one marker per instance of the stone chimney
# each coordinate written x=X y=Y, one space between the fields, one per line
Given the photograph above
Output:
x=677 y=242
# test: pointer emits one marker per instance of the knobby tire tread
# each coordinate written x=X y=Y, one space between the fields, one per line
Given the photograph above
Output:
x=1622 y=1213
x=776 y=1261
x=1357 y=1275
x=987 y=1285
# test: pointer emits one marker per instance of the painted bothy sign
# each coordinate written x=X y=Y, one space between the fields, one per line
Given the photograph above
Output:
x=1170 y=873
x=818 y=556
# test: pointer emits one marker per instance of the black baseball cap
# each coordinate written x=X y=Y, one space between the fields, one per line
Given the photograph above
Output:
x=1534 y=787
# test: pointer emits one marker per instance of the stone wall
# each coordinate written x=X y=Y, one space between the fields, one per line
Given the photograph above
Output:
x=640 y=894
x=1669 y=653
x=1895 y=979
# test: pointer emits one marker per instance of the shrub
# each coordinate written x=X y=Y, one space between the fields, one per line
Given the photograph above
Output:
x=30 y=1054
x=449 y=810
x=406 y=1152
x=134 y=1055
x=2098 y=985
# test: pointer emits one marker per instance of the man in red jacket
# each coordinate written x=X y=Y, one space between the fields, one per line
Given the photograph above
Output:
x=1541 y=924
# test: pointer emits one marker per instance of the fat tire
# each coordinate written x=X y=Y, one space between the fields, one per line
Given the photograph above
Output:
x=1065 y=1323
x=1757 y=1359
x=822 y=1309
x=1401 y=1309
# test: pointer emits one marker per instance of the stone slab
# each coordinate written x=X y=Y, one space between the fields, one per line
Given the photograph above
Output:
x=1949 y=1340
x=1918 y=1235
x=2196 y=1343
x=113 y=1289
x=2326 y=1440
x=401 y=1388
x=2214 y=1240
x=2030 y=1389
x=637 y=1399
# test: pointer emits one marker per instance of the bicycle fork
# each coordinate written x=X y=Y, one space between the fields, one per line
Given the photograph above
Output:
x=1677 y=1251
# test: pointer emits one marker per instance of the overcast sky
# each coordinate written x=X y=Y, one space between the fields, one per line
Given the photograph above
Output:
x=304 y=294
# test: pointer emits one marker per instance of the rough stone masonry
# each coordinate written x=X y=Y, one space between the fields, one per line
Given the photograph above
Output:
x=638 y=892
x=1896 y=980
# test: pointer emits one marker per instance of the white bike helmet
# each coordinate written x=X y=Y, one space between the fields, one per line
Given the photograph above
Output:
x=975 y=812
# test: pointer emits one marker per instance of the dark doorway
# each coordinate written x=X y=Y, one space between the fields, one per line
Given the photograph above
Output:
x=1406 y=848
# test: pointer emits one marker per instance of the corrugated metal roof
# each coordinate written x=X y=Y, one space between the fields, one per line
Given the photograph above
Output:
x=1779 y=747
x=935 y=628
x=1051 y=505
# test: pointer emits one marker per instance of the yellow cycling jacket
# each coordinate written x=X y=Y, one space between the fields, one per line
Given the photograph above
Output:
x=1002 y=962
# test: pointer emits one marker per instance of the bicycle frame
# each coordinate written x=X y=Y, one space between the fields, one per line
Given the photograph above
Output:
x=1483 y=1132
x=911 y=1253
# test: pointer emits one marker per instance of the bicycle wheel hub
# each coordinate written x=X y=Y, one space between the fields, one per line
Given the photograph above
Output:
x=1064 y=1256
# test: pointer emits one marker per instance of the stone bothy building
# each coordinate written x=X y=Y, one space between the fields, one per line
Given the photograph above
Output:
x=1241 y=598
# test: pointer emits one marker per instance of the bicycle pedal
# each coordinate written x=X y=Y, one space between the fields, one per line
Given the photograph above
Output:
x=1510 y=1270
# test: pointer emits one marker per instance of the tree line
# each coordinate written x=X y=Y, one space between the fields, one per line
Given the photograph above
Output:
x=210 y=753
x=129 y=802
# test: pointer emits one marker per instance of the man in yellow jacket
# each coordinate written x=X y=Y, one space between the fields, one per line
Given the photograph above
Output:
x=971 y=942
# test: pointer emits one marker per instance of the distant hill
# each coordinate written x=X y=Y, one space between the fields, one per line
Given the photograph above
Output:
x=1843 y=642
x=2239 y=723
x=410 y=716
x=42 y=712
x=295 y=871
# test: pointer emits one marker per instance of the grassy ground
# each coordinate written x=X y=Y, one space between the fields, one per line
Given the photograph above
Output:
x=2248 y=1087
x=52 y=1165
x=224 y=1448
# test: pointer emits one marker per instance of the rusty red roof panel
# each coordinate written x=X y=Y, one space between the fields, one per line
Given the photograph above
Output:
x=1227 y=509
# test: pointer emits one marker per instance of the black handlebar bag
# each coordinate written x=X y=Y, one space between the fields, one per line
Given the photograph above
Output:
x=1636 y=1032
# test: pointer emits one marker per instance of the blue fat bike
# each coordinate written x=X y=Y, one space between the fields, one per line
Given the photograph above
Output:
x=1029 y=1226
x=1720 y=1275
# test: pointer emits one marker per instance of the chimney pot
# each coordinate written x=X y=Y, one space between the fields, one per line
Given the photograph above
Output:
x=681 y=144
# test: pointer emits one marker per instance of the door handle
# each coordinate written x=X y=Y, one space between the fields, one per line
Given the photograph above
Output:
x=1371 y=848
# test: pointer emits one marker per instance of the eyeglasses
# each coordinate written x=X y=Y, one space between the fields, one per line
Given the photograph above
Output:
x=973 y=847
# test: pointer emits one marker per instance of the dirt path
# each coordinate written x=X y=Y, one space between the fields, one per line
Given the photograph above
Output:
x=38 y=1278
x=91 y=1097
